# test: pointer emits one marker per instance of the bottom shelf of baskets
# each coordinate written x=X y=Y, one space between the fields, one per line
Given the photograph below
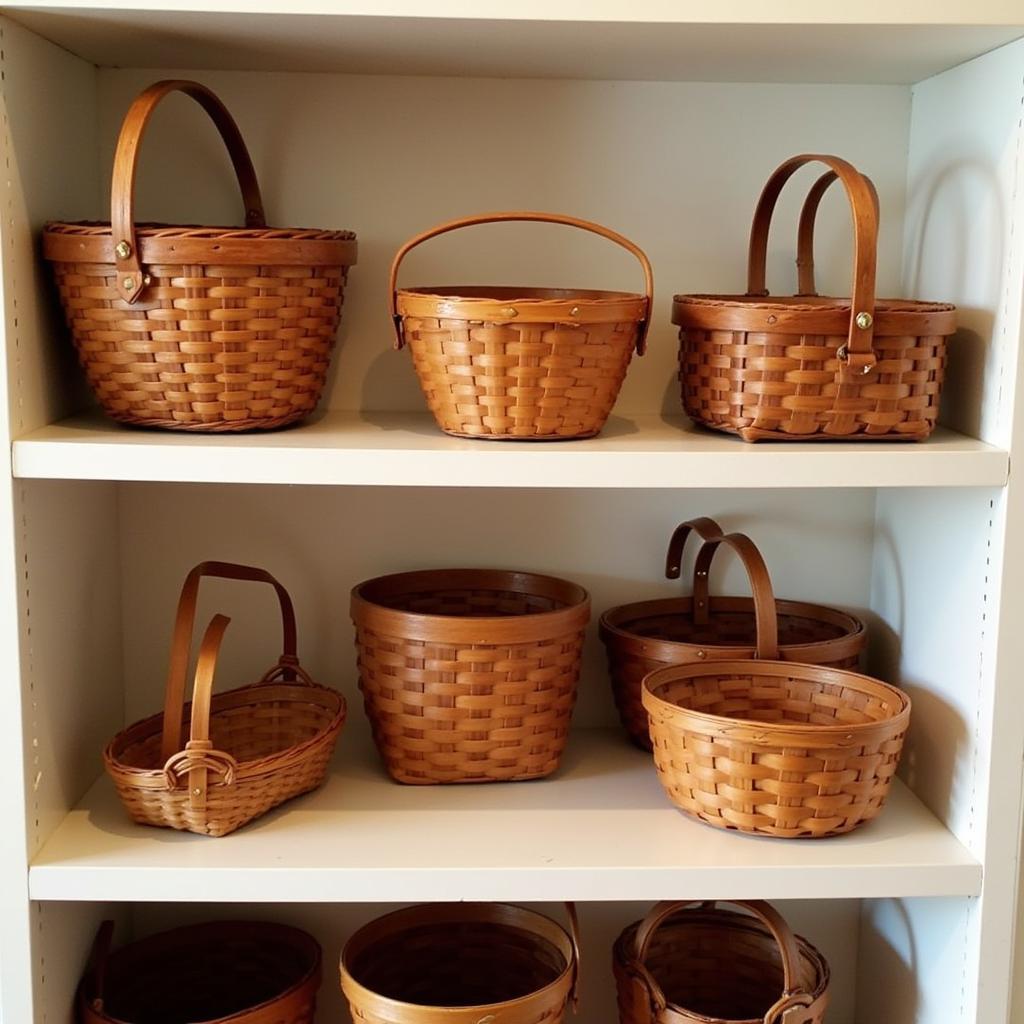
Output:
x=600 y=828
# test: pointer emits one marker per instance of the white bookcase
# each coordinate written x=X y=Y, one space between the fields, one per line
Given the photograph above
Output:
x=661 y=118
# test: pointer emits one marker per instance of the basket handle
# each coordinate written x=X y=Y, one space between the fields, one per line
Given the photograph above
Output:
x=857 y=356
x=525 y=215
x=705 y=528
x=95 y=977
x=805 y=232
x=181 y=643
x=198 y=759
x=131 y=278
x=765 y=614
x=794 y=994
x=574 y=935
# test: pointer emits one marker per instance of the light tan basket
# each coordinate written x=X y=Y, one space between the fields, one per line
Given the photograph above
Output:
x=647 y=635
x=199 y=328
x=461 y=963
x=695 y=963
x=249 y=749
x=806 y=367
x=528 y=364
x=775 y=748
x=469 y=675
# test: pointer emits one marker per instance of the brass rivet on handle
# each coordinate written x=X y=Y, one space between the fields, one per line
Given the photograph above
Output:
x=509 y=311
x=864 y=321
x=122 y=250
x=128 y=283
x=196 y=792
x=575 y=311
x=702 y=654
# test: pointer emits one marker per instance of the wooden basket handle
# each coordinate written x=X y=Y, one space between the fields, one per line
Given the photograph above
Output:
x=805 y=232
x=765 y=614
x=181 y=643
x=705 y=528
x=574 y=935
x=856 y=356
x=794 y=994
x=130 y=275
x=525 y=215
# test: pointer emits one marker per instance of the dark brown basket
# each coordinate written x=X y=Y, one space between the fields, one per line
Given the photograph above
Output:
x=648 y=635
x=694 y=963
x=242 y=972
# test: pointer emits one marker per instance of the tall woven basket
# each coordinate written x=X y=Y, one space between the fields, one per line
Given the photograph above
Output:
x=248 y=750
x=242 y=972
x=513 y=363
x=648 y=635
x=469 y=675
x=199 y=328
x=696 y=963
x=461 y=963
x=804 y=366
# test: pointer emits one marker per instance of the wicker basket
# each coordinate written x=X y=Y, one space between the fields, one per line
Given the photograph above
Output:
x=469 y=675
x=521 y=363
x=775 y=748
x=242 y=972
x=461 y=963
x=199 y=328
x=249 y=749
x=807 y=367
x=693 y=963
x=647 y=635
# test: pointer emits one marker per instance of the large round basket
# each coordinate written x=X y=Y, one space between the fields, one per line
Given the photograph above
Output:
x=695 y=963
x=648 y=635
x=775 y=748
x=509 y=363
x=199 y=328
x=461 y=963
x=805 y=366
x=223 y=972
x=248 y=750
x=469 y=675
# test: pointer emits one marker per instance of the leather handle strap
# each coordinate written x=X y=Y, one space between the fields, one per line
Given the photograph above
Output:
x=524 y=215
x=805 y=231
x=857 y=356
x=794 y=994
x=181 y=643
x=705 y=528
x=765 y=613
x=130 y=275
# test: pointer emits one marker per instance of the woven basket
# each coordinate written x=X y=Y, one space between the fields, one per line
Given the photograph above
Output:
x=808 y=367
x=249 y=749
x=693 y=963
x=469 y=675
x=242 y=972
x=461 y=963
x=775 y=748
x=199 y=328
x=647 y=635
x=521 y=363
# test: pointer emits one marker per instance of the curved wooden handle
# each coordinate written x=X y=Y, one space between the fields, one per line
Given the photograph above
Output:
x=857 y=356
x=805 y=231
x=764 y=912
x=765 y=614
x=524 y=215
x=181 y=642
x=130 y=275
x=705 y=528
x=574 y=935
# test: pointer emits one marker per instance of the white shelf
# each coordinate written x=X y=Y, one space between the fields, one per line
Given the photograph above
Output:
x=601 y=828
x=408 y=449
x=660 y=40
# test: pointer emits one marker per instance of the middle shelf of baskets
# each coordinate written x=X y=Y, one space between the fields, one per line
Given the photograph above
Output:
x=600 y=828
x=402 y=448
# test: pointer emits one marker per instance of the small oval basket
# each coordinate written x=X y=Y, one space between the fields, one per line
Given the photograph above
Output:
x=775 y=748
x=648 y=635
x=469 y=675
x=695 y=963
x=249 y=749
x=242 y=972
x=521 y=363
x=464 y=963
x=806 y=367
x=199 y=328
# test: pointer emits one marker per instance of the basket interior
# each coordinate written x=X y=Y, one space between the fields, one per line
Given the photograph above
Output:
x=730 y=629
x=188 y=976
x=469 y=963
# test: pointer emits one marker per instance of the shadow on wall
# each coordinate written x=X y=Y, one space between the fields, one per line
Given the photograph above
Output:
x=898 y=978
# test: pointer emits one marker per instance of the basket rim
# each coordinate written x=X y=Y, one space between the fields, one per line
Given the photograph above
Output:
x=523 y=294
x=159 y=229
x=798 y=303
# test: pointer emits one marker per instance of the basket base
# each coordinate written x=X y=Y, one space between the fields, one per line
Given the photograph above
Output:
x=753 y=435
x=260 y=425
x=521 y=437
